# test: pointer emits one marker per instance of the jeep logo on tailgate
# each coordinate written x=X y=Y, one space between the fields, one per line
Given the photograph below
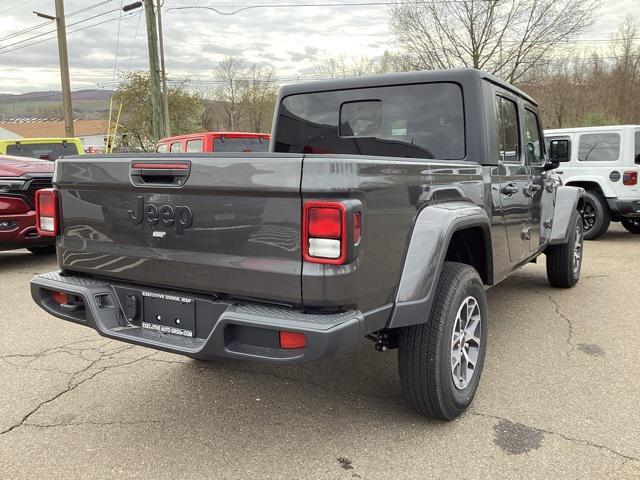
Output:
x=179 y=216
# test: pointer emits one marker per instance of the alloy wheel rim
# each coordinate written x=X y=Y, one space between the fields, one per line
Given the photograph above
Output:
x=588 y=213
x=577 y=250
x=465 y=343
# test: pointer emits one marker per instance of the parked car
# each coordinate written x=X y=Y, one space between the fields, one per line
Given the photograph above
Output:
x=215 y=142
x=430 y=187
x=20 y=178
x=42 y=148
x=605 y=161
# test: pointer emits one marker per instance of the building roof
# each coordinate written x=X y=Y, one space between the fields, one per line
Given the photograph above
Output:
x=54 y=129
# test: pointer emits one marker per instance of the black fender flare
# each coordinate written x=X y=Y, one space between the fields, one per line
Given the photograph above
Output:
x=425 y=255
x=565 y=212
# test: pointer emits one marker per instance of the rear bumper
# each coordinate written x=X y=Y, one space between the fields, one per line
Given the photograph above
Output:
x=230 y=330
x=19 y=231
x=624 y=208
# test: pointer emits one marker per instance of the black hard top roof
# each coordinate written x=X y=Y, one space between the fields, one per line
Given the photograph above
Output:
x=461 y=76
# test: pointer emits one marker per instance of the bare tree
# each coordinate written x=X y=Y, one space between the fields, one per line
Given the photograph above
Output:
x=260 y=97
x=244 y=99
x=233 y=86
x=503 y=37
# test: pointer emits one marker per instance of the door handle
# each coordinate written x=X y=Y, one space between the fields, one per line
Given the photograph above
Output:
x=509 y=189
x=559 y=172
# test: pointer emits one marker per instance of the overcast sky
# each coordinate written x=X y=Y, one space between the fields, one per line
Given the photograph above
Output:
x=290 y=39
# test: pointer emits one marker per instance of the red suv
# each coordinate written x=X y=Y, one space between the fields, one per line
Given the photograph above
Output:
x=20 y=178
x=215 y=142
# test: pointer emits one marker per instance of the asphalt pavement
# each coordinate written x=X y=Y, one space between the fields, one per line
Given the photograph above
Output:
x=559 y=397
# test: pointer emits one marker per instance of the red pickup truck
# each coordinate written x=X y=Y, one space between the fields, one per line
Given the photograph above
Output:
x=215 y=142
x=20 y=178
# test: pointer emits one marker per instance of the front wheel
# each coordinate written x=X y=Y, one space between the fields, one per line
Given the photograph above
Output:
x=631 y=224
x=564 y=261
x=440 y=361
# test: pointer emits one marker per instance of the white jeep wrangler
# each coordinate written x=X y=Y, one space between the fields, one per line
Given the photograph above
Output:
x=605 y=161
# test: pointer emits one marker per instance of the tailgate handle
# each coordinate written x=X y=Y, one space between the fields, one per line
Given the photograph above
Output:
x=160 y=173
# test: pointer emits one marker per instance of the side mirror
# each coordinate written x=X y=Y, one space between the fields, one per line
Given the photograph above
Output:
x=559 y=150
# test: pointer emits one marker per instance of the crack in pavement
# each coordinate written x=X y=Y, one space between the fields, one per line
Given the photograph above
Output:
x=568 y=321
x=589 y=443
x=72 y=384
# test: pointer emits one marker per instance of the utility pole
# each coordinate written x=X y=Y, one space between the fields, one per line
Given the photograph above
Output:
x=63 y=55
x=165 y=92
x=154 y=68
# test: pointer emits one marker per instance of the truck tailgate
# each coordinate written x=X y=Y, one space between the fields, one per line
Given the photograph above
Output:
x=226 y=223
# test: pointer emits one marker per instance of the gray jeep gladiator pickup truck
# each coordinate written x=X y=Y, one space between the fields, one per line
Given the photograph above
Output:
x=385 y=209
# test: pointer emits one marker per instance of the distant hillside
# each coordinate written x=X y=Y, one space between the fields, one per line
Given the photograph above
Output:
x=89 y=104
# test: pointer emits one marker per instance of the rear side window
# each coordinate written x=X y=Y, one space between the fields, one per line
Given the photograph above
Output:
x=45 y=151
x=194 y=146
x=176 y=147
x=599 y=147
x=162 y=148
x=225 y=144
x=417 y=121
x=636 y=154
x=507 y=126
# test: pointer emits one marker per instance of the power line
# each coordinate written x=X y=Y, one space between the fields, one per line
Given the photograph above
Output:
x=242 y=8
x=14 y=7
x=69 y=32
x=43 y=24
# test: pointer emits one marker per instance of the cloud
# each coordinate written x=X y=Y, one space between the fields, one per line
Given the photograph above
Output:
x=196 y=40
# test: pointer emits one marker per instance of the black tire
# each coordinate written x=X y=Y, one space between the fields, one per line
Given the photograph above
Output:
x=596 y=215
x=48 y=250
x=563 y=267
x=631 y=224
x=425 y=350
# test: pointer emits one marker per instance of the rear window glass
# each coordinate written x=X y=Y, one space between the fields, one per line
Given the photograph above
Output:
x=224 y=144
x=599 y=147
x=45 y=151
x=419 y=121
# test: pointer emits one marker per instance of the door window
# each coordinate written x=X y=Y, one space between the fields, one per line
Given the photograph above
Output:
x=176 y=147
x=508 y=136
x=532 y=138
x=636 y=154
x=162 y=148
x=599 y=147
x=194 y=146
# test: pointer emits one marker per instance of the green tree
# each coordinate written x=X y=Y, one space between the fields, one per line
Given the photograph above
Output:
x=134 y=129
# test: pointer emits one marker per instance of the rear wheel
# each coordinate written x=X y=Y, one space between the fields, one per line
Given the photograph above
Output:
x=48 y=250
x=440 y=361
x=631 y=224
x=595 y=214
x=564 y=261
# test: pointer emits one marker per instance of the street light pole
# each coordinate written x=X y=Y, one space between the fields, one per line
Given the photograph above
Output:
x=165 y=92
x=154 y=69
x=63 y=55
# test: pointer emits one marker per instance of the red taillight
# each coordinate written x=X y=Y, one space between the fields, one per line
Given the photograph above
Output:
x=324 y=232
x=292 y=340
x=13 y=206
x=60 y=297
x=160 y=166
x=47 y=212
x=357 y=227
x=325 y=222
x=630 y=178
